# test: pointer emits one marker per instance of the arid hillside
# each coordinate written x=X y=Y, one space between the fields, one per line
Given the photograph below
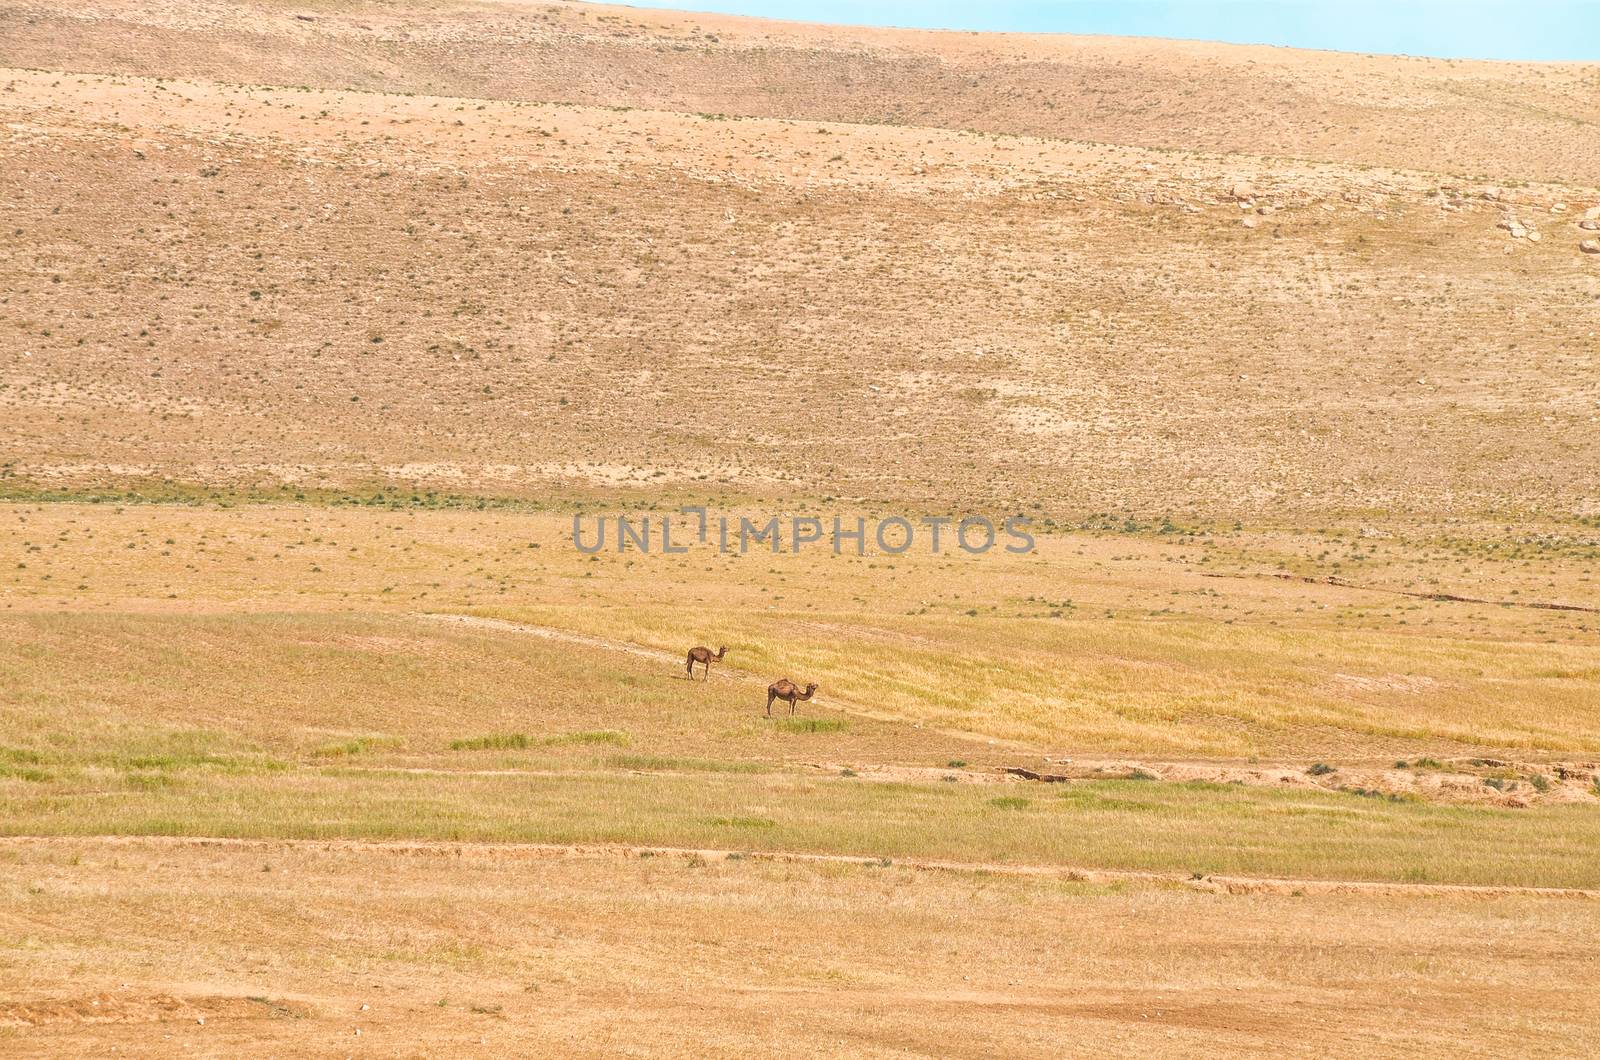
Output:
x=325 y=326
x=550 y=250
x=1505 y=121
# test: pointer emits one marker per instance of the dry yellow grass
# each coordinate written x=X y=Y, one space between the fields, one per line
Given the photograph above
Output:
x=128 y=945
x=315 y=679
x=1097 y=642
x=319 y=322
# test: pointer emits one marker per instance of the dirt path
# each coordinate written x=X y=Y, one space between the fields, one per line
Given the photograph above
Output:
x=1453 y=598
x=533 y=852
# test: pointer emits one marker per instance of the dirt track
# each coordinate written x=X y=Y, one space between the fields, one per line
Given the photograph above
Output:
x=544 y=851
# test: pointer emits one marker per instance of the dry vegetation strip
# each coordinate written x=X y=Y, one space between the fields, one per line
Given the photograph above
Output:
x=1191 y=828
x=127 y=945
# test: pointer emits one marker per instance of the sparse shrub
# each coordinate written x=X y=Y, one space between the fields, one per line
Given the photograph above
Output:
x=1321 y=769
x=1540 y=782
x=1374 y=793
x=957 y=763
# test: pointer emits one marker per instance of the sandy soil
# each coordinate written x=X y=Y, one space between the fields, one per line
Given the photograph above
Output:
x=335 y=950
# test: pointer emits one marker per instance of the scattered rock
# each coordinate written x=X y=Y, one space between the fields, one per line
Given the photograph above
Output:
x=1590 y=246
x=1592 y=214
x=1243 y=191
x=1248 y=222
x=1589 y=225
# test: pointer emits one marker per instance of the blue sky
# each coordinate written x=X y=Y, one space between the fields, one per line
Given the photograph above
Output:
x=1478 y=29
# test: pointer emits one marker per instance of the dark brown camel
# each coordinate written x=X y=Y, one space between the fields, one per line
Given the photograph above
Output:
x=788 y=690
x=703 y=656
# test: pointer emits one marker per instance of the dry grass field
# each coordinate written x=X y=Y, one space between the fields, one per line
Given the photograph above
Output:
x=320 y=323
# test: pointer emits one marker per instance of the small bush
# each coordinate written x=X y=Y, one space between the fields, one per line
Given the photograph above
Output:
x=957 y=763
x=1540 y=782
x=1374 y=793
x=1321 y=769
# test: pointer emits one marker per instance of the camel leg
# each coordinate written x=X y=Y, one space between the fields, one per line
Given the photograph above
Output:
x=770 y=698
x=691 y=667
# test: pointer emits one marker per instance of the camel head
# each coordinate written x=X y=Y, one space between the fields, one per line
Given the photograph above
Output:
x=811 y=690
x=723 y=650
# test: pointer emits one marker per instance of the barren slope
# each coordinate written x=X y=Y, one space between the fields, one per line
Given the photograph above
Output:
x=251 y=286
x=1512 y=121
x=483 y=295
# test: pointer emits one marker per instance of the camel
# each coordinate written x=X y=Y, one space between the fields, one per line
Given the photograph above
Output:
x=784 y=688
x=703 y=656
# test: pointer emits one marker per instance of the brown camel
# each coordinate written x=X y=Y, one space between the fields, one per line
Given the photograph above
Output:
x=703 y=656
x=787 y=689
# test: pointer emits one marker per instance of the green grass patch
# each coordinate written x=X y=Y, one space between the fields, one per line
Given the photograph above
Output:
x=358 y=745
x=593 y=736
x=503 y=741
x=14 y=771
x=811 y=724
x=1227 y=829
